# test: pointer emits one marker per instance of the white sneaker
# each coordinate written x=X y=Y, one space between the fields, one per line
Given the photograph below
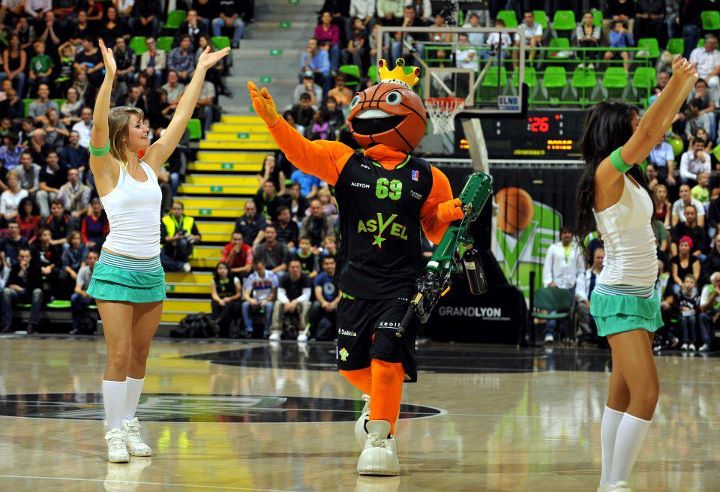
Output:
x=302 y=337
x=360 y=432
x=692 y=347
x=117 y=447
x=186 y=267
x=133 y=435
x=704 y=348
x=549 y=338
x=684 y=347
x=274 y=337
x=379 y=457
x=618 y=487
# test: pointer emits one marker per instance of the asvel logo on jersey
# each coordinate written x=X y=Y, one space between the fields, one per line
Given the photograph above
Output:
x=415 y=175
x=380 y=225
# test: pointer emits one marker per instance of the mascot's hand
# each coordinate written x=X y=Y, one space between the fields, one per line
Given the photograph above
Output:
x=264 y=105
x=450 y=211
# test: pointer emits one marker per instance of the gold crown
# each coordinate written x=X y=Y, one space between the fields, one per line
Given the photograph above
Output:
x=398 y=75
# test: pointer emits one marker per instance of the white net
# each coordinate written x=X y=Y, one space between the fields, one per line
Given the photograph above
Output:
x=442 y=111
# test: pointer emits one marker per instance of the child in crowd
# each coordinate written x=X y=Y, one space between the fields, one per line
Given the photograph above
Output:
x=688 y=302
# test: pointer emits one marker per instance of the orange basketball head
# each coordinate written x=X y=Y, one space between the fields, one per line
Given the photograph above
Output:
x=389 y=113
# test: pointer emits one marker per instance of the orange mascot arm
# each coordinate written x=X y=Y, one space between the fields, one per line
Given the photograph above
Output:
x=440 y=209
x=321 y=158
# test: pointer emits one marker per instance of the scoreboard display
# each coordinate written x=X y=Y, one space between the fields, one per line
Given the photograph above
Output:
x=540 y=135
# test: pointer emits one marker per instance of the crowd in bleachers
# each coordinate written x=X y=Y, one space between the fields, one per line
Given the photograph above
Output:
x=51 y=70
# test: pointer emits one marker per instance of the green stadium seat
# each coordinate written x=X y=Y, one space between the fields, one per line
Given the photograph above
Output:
x=710 y=20
x=491 y=77
x=220 y=42
x=137 y=43
x=541 y=18
x=564 y=20
x=554 y=81
x=60 y=102
x=614 y=81
x=165 y=43
x=676 y=46
x=372 y=73
x=583 y=78
x=58 y=304
x=530 y=77
x=597 y=17
x=352 y=74
x=195 y=129
x=563 y=45
x=649 y=48
x=509 y=17
x=644 y=78
x=27 y=103
x=175 y=18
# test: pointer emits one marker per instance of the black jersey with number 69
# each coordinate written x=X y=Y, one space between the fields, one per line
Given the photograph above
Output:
x=380 y=253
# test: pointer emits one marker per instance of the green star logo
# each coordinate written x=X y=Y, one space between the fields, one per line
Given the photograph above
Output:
x=344 y=354
x=378 y=240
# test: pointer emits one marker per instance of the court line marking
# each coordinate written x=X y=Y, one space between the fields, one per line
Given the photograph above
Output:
x=197 y=486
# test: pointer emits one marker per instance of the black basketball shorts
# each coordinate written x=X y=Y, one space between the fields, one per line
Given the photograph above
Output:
x=366 y=331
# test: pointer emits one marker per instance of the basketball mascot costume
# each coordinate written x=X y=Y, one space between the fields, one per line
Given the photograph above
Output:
x=386 y=197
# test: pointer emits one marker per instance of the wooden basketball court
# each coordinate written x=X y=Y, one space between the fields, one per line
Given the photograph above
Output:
x=256 y=417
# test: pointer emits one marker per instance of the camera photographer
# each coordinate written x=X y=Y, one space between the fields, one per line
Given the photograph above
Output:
x=179 y=234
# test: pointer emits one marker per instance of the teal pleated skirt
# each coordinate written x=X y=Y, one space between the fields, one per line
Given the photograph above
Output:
x=119 y=278
x=618 y=312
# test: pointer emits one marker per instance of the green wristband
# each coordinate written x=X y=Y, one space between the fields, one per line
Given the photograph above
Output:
x=618 y=162
x=99 y=152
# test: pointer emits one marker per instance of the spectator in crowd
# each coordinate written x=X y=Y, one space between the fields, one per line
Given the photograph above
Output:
x=303 y=113
x=563 y=262
x=251 y=224
x=390 y=11
x=39 y=107
x=684 y=263
x=70 y=109
x=95 y=226
x=272 y=172
x=662 y=205
x=229 y=18
x=709 y=311
x=286 y=228
x=14 y=63
x=588 y=35
x=712 y=262
x=59 y=223
x=328 y=204
x=12 y=106
x=342 y=94
x=335 y=117
x=402 y=42
x=707 y=62
x=364 y=10
x=533 y=36
x=205 y=109
x=309 y=185
x=50 y=258
x=700 y=191
x=83 y=127
x=465 y=57
x=23 y=286
x=268 y=201
x=678 y=209
x=296 y=202
x=126 y=61
x=619 y=10
x=323 y=315
x=650 y=20
x=216 y=73
x=620 y=37
x=688 y=302
x=329 y=248
x=55 y=131
x=75 y=195
x=12 y=243
x=356 y=51
x=273 y=253
x=81 y=28
x=74 y=154
x=90 y=60
x=238 y=256
x=308 y=86
x=473 y=21
x=113 y=28
x=696 y=120
x=28 y=219
x=259 y=294
x=328 y=34
x=182 y=61
x=307 y=257
x=320 y=129
x=293 y=300
x=317 y=61
x=706 y=106
x=135 y=98
x=37 y=146
x=690 y=228
x=10 y=198
x=663 y=158
x=173 y=88
x=193 y=26
x=146 y=21
x=10 y=154
x=180 y=234
x=694 y=161
x=41 y=66
x=317 y=225
x=584 y=286
x=50 y=179
x=80 y=301
x=29 y=174
x=73 y=258
x=153 y=62
x=226 y=298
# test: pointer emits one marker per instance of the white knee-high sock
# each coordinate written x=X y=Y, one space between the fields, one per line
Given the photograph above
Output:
x=134 y=390
x=608 y=429
x=630 y=436
x=114 y=402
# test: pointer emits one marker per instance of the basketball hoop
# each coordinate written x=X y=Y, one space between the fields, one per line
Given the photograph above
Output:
x=442 y=111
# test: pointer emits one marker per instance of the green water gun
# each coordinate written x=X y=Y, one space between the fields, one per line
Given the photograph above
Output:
x=455 y=252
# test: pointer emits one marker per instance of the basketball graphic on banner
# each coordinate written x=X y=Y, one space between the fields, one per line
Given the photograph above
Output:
x=515 y=209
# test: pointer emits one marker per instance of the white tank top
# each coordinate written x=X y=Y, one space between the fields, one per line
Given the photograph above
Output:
x=630 y=251
x=133 y=210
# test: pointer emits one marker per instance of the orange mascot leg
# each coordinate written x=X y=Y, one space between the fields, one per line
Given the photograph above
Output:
x=386 y=391
x=360 y=378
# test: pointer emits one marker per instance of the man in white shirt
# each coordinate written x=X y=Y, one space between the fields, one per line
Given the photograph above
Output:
x=586 y=282
x=563 y=261
x=709 y=311
x=694 y=161
x=84 y=127
x=293 y=297
x=678 y=209
x=663 y=158
x=707 y=62
x=362 y=9
x=533 y=36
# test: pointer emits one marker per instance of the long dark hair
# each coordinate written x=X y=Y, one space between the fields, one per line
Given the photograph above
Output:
x=608 y=126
